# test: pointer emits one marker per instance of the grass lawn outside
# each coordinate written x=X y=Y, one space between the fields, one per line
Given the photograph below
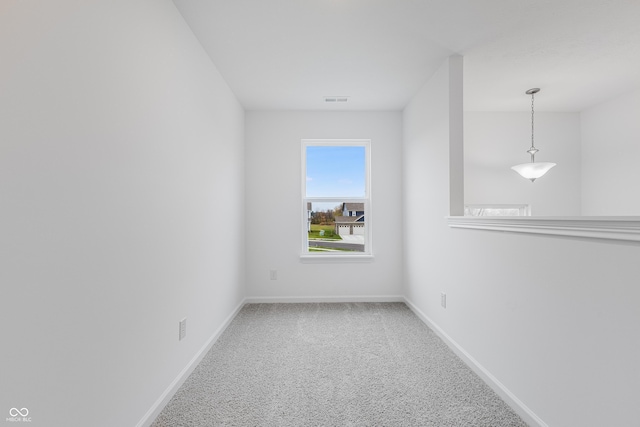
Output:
x=329 y=233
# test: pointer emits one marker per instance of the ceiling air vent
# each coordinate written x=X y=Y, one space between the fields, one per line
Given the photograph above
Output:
x=336 y=98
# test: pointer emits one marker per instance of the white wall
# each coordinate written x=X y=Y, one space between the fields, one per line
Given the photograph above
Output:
x=610 y=156
x=495 y=141
x=273 y=192
x=121 y=197
x=554 y=320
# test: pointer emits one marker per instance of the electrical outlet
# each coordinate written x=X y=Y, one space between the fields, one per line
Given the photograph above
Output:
x=443 y=300
x=273 y=274
x=182 y=332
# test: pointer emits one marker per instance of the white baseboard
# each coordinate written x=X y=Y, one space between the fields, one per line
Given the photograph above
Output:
x=516 y=404
x=162 y=401
x=316 y=299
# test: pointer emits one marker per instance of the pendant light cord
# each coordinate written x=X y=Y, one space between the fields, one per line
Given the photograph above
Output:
x=532 y=145
x=532 y=150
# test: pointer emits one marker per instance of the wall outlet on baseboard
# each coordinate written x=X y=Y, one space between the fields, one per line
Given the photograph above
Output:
x=182 y=333
x=443 y=300
x=273 y=274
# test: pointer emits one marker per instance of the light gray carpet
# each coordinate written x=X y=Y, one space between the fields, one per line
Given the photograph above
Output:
x=351 y=364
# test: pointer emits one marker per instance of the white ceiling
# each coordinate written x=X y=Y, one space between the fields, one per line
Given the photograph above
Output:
x=290 y=54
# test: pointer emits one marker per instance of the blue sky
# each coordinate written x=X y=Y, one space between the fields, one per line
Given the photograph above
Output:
x=335 y=171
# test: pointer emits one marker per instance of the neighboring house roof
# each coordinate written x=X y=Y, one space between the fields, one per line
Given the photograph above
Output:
x=349 y=219
x=353 y=206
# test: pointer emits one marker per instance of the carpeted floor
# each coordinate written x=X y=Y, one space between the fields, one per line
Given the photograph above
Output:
x=340 y=364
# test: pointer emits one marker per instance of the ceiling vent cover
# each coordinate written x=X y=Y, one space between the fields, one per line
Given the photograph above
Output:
x=336 y=98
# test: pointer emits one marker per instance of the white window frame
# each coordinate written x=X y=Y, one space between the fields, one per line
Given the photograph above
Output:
x=337 y=256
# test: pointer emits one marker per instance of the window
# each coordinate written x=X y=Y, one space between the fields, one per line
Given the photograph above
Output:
x=497 y=210
x=336 y=201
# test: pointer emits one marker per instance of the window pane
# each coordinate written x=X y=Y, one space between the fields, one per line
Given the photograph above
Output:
x=336 y=227
x=335 y=171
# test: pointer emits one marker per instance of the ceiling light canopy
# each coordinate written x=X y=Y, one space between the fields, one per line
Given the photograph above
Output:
x=532 y=170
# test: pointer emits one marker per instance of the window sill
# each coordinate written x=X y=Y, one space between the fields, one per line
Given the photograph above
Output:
x=335 y=258
x=625 y=228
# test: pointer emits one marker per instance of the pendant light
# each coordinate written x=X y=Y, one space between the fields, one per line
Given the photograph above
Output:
x=532 y=170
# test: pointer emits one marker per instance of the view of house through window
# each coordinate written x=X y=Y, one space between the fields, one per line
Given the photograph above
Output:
x=335 y=197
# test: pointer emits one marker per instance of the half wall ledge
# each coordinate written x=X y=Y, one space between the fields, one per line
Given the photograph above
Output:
x=625 y=228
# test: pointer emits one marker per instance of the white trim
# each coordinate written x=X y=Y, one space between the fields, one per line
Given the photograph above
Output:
x=626 y=228
x=330 y=298
x=516 y=404
x=166 y=396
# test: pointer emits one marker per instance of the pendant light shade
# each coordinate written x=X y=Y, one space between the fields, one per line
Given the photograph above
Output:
x=532 y=170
